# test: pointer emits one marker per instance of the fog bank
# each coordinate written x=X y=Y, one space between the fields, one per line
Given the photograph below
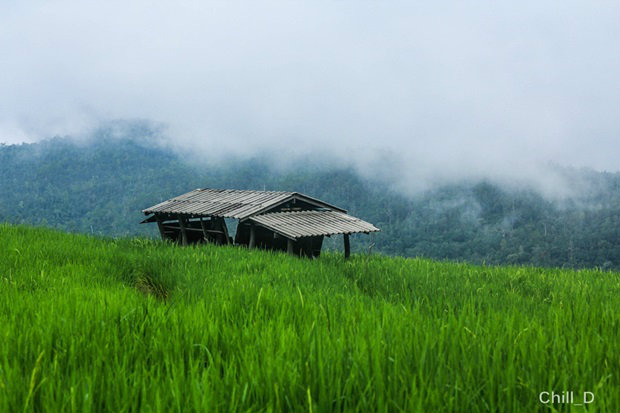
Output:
x=416 y=93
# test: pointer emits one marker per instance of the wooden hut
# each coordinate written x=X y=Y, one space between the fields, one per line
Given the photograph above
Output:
x=286 y=221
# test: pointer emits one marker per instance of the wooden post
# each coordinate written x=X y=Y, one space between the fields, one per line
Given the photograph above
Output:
x=160 y=225
x=347 y=246
x=205 y=234
x=289 y=246
x=183 y=231
x=225 y=230
x=252 y=237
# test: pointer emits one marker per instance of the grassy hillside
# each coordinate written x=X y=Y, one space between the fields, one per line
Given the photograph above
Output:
x=93 y=324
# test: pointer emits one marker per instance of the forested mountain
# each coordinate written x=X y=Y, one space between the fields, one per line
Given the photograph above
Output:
x=100 y=187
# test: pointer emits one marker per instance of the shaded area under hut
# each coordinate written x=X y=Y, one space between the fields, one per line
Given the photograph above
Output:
x=274 y=220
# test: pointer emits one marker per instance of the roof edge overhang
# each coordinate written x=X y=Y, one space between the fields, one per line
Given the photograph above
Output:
x=327 y=232
x=165 y=216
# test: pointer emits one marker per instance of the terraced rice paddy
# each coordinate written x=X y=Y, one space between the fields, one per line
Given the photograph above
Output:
x=90 y=324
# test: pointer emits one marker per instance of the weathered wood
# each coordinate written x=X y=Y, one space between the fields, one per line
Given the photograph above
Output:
x=301 y=221
x=215 y=231
x=252 y=242
x=239 y=204
x=205 y=232
x=161 y=229
x=183 y=230
x=302 y=224
x=225 y=230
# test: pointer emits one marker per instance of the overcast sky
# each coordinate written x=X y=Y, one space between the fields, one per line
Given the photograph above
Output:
x=434 y=87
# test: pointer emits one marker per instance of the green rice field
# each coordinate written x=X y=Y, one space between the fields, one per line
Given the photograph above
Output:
x=134 y=325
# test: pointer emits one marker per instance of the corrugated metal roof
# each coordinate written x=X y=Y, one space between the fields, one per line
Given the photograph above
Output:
x=299 y=224
x=228 y=203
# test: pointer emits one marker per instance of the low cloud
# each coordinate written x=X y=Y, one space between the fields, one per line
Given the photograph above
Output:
x=417 y=93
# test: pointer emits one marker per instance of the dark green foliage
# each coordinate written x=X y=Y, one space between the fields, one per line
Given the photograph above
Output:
x=91 y=325
x=101 y=187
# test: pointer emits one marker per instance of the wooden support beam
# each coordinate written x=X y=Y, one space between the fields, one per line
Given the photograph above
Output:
x=252 y=242
x=205 y=232
x=289 y=246
x=347 y=246
x=183 y=230
x=211 y=231
x=225 y=230
x=161 y=229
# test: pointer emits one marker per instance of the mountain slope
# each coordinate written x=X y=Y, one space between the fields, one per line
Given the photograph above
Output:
x=101 y=187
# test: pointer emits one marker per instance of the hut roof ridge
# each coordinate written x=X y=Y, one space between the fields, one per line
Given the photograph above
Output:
x=230 y=203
